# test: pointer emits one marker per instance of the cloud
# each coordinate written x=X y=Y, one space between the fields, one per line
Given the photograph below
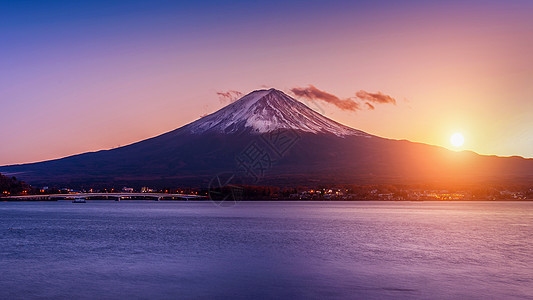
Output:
x=378 y=97
x=312 y=93
x=229 y=96
x=370 y=106
x=362 y=99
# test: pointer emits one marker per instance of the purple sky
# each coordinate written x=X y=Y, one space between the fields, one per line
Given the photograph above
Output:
x=80 y=76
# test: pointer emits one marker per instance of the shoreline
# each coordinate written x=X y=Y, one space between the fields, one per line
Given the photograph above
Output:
x=268 y=200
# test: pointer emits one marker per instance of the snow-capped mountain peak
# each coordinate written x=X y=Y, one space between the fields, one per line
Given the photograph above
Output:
x=264 y=111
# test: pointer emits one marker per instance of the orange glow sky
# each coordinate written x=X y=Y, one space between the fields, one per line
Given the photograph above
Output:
x=95 y=76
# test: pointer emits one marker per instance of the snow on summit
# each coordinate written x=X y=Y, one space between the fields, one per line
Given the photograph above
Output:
x=268 y=110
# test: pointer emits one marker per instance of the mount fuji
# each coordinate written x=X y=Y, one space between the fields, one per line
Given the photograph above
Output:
x=265 y=111
x=267 y=137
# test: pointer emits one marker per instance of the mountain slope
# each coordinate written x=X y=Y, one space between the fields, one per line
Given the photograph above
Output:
x=291 y=144
x=265 y=111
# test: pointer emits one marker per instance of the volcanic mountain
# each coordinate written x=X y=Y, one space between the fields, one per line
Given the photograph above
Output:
x=267 y=137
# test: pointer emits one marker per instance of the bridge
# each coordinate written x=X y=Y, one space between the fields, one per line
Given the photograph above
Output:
x=114 y=196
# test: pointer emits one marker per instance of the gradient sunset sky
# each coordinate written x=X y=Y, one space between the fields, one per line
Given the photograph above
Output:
x=78 y=76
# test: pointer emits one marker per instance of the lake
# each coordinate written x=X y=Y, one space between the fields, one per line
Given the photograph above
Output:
x=262 y=250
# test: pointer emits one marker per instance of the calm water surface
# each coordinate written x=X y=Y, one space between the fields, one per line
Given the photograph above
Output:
x=168 y=250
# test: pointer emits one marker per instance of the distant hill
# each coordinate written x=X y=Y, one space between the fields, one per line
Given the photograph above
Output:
x=11 y=186
x=267 y=137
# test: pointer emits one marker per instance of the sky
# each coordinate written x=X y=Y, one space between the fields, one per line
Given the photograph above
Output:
x=79 y=76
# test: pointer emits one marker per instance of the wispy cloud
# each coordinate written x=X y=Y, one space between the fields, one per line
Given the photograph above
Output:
x=378 y=97
x=362 y=99
x=370 y=106
x=229 y=96
x=312 y=93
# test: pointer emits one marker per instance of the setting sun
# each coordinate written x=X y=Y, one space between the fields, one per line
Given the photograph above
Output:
x=457 y=140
